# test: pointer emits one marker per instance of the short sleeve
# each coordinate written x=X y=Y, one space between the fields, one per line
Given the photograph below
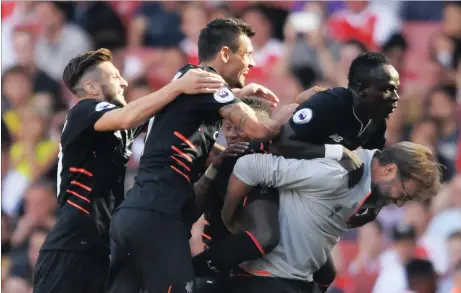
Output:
x=214 y=102
x=87 y=112
x=315 y=117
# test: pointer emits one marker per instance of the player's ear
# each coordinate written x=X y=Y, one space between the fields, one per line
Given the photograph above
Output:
x=225 y=54
x=90 y=87
x=391 y=169
x=361 y=89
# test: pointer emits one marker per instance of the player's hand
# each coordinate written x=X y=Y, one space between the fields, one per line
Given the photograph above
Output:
x=361 y=218
x=283 y=115
x=197 y=81
x=352 y=163
x=254 y=89
x=233 y=150
x=305 y=95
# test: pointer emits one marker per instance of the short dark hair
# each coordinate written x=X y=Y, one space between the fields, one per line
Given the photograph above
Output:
x=359 y=72
x=257 y=104
x=395 y=41
x=419 y=268
x=221 y=32
x=81 y=64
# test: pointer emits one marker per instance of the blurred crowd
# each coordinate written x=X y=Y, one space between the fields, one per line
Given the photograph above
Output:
x=298 y=44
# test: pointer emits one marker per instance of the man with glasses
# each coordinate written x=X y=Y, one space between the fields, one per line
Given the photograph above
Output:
x=316 y=202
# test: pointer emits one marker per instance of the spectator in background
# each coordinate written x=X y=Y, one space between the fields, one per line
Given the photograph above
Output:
x=421 y=276
x=165 y=64
x=443 y=107
x=17 y=93
x=306 y=44
x=59 y=41
x=427 y=133
x=348 y=51
x=395 y=49
x=102 y=23
x=23 y=264
x=23 y=15
x=454 y=257
x=445 y=47
x=39 y=211
x=391 y=278
x=31 y=157
x=267 y=49
x=446 y=220
x=24 y=47
x=219 y=9
x=155 y=24
x=361 y=21
x=417 y=215
x=194 y=18
x=364 y=269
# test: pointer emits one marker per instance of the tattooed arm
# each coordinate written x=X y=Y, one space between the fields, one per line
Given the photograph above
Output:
x=202 y=190
x=255 y=125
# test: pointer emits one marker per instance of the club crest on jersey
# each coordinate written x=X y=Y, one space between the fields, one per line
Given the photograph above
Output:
x=302 y=116
x=223 y=95
x=103 y=106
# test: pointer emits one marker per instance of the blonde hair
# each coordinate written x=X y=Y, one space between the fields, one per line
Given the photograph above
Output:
x=415 y=162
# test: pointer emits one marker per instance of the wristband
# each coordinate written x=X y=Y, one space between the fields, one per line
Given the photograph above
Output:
x=334 y=151
x=211 y=172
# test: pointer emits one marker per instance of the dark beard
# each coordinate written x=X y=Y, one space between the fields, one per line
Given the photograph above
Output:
x=376 y=198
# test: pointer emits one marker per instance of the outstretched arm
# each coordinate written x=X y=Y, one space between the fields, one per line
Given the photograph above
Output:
x=137 y=112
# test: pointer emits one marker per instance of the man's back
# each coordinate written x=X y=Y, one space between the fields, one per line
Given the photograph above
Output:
x=328 y=117
x=315 y=203
x=178 y=142
x=91 y=172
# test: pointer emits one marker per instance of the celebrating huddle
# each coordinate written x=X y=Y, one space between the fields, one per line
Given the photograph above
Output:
x=276 y=200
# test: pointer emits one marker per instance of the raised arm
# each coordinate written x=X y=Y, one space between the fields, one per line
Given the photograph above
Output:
x=137 y=112
x=255 y=125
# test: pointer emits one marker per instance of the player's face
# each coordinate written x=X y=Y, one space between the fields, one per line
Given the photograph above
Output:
x=391 y=188
x=232 y=133
x=382 y=95
x=112 y=84
x=238 y=64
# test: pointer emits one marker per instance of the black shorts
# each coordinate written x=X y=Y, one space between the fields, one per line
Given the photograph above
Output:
x=150 y=251
x=251 y=284
x=71 y=272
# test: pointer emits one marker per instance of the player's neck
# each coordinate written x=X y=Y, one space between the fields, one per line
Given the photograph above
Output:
x=213 y=64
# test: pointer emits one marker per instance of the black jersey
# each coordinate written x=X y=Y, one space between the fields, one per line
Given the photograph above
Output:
x=215 y=229
x=328 y=117
x=178 y=142
x=91 y=174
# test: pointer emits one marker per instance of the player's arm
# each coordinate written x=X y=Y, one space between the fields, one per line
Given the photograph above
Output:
x=267 y=170
x=203 y=188
x=254 y=125
x=312 y=122
x=288 y=146
x=137 y=112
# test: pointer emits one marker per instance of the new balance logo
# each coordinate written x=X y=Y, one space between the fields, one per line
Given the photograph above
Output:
x=336 y=137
